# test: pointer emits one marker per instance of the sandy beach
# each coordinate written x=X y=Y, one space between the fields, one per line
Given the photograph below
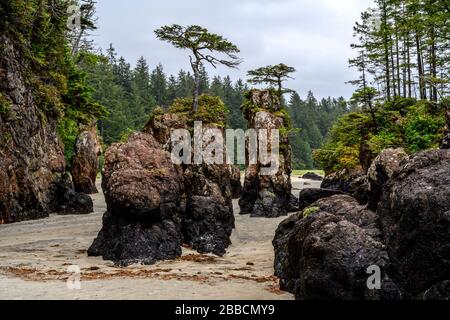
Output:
x=35 y=257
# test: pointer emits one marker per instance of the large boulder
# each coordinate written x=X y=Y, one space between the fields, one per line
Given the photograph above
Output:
x=350 y=181
x=308 y=196
x=414 y=213
x=209 y=219
x=267 y=195
x=85 y=162
x=142 y=190
x=345 y=180
x=32 y=165
x=312 y=176
x=381 y=170
x=326 y=255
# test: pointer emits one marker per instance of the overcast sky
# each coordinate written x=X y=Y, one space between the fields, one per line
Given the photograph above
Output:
x=314 y=36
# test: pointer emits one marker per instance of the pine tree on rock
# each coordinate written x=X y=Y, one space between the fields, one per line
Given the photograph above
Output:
x=273 y=76
x=203 y=44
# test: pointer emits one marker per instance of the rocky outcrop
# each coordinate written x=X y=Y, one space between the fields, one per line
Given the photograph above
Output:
x=308 y=196
x=85 y=163
x=326 y=255
x=209 y=220
x=446 y=141
x=312 y=176
x=142 y=190
x=321 y=252
x=32 y=166
x=345 y=180
x=381 y=170
x=414 y=213
x=267 y=195
x=67 y=201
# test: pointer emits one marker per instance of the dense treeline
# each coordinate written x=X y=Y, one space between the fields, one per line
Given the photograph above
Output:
x=130 y=94
x=403 y=56
x=403 y=50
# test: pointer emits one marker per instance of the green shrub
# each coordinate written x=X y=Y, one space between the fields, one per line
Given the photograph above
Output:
x=423 y=132
x=211 y=110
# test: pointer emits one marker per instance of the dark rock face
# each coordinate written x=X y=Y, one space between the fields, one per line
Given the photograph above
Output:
x=209 y=220
x=32 y=166
x=85 y=163
x=381 y=170
x=126 y=242
x=440 y=291
x=353 y=182
x=267 y=195
x=322 y=255
x=446 y=141
x=326 y=254
x=312 y=176
x=236 y=184
x=345 y=180
x=309 y=196
x=67 y=200
x=142 y=190
x=415 y=220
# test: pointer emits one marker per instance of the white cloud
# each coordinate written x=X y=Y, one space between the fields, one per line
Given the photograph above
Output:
x=312 y=35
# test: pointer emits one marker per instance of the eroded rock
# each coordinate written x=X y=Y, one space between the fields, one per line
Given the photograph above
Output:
x=308 y=196
x=381 y=170
x=142 y=190
x=414 y=212
x=326 y=254
x=85 y=163
x=209 y=219
x=32 y=166
x=312 y=176
x=267 y=195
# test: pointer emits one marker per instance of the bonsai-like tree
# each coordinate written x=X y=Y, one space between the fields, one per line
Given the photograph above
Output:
x=272 y=75
x=203 y=44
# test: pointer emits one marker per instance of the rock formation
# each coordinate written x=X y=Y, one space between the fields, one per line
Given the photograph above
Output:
x=208 y=218
x=312 y=176
x=414 y=212
x=142 y=190
x=324 y=251
x=345 y=180
x=381 y=170
x=236 y=184
x=32 y=167
x=85 y=163
x=326 y=254
x=154 y=205
x=308 y=196
x=267 y=195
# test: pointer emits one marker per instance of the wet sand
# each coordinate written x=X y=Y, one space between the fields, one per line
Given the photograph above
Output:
x=35 y=257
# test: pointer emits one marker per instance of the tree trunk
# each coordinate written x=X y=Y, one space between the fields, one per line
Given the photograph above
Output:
x=422 y=88
x=196 y=69
x=408 y=58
